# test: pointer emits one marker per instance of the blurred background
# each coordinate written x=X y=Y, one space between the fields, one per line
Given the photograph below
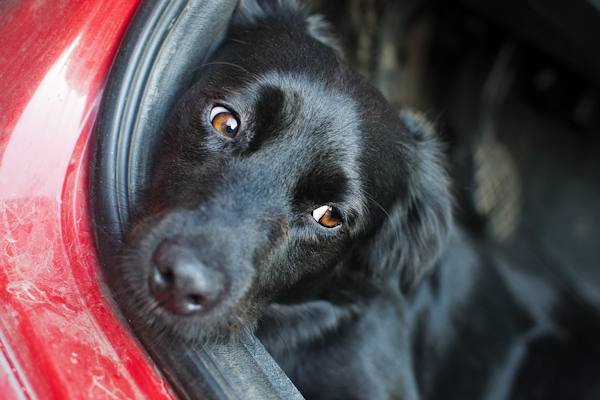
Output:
x=513 y=89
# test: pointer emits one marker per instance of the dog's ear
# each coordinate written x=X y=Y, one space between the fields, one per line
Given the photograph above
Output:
x=322 y=30
x=249 y=12
x=417 y=227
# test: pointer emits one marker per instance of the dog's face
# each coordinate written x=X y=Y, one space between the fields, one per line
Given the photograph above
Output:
x=280 y=166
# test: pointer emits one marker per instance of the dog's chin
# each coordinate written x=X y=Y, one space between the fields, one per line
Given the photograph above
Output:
x=196 y=330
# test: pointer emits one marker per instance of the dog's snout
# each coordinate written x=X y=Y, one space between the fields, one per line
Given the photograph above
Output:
x=181 y=283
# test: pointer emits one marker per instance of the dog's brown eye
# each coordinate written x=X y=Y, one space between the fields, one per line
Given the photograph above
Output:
x=327 y=216
x=224 y=122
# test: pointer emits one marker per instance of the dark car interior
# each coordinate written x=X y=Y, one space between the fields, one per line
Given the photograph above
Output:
x=513 y=88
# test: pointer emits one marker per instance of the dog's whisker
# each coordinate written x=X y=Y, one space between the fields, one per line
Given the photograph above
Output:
x=226 y=63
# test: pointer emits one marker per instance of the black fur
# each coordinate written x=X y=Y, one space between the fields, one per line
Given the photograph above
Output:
x=341 y=310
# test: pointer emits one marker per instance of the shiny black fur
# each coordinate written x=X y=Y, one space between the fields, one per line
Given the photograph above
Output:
x=345 y=312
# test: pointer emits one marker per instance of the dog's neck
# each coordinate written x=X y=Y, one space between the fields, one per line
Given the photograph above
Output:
x=424 y=329
x=321 y=305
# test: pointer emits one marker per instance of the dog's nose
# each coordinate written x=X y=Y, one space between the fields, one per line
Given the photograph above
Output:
x=180 y=282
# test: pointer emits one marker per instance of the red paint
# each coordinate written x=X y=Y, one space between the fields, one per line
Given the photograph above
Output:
x=59 y=337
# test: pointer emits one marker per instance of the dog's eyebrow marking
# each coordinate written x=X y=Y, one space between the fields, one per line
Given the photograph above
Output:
x=269 y=118
x=324 y=183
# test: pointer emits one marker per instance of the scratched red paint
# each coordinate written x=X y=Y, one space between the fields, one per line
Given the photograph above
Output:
x=59 y=336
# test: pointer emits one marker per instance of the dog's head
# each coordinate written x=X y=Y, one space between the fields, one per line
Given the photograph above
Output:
x=280 y=166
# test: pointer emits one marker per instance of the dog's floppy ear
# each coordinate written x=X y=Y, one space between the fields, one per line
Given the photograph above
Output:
x=321 y=30
x=250 y=11
x=417 y=227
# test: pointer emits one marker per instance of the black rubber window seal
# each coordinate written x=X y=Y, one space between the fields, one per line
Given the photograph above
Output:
x=156 y=62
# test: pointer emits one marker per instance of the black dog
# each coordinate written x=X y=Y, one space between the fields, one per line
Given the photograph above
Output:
x=292 y=199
